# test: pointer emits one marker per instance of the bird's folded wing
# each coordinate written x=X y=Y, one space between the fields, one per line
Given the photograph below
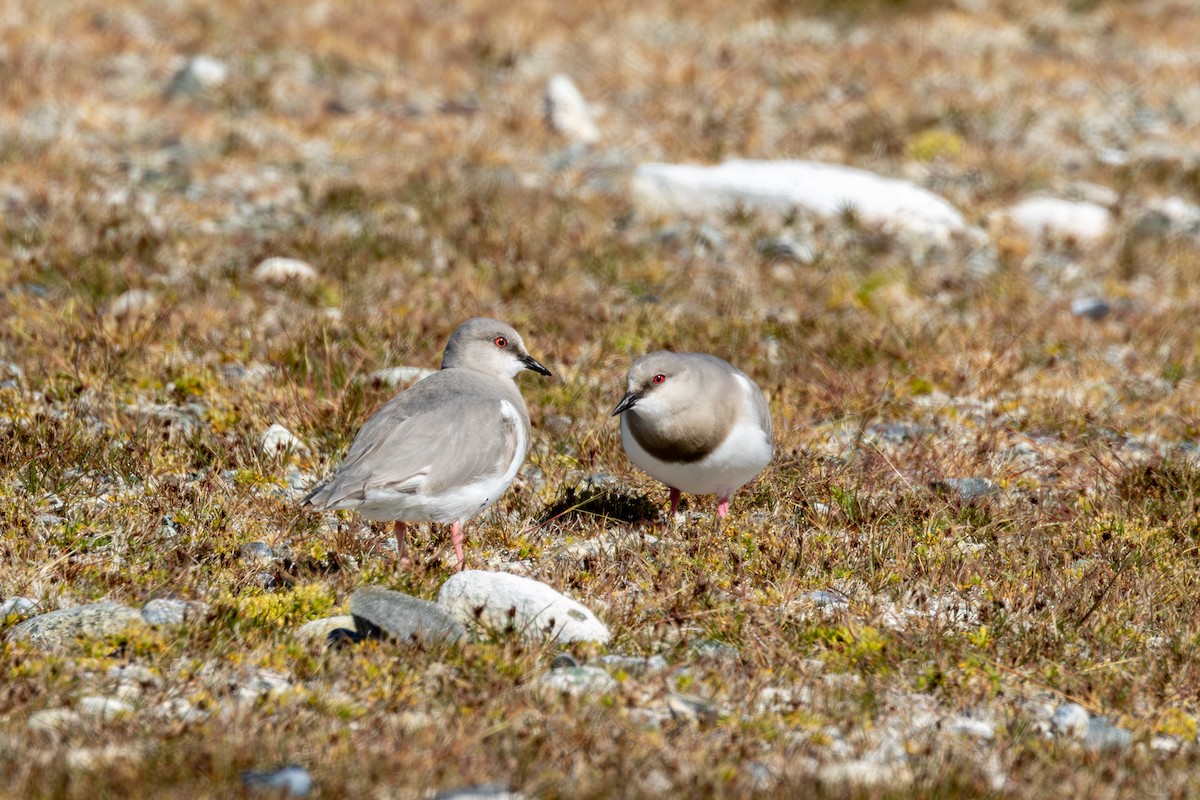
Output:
x=426 y=452
x=758 y=402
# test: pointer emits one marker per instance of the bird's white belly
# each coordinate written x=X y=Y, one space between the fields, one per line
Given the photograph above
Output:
x=460 y=503
x=734 y=463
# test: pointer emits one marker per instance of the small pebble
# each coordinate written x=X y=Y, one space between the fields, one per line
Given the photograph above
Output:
x=17 y=606
x=281 y=271
x=257 y=551
x=292 y=781
x=1070 y=719
x=1094 y=308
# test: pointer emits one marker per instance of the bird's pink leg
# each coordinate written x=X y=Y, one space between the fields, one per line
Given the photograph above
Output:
x=722 y=507
x=399 y=529
x=456 y=536
x=675 y=494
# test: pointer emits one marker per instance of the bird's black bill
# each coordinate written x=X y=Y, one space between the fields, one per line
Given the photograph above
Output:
x=627 y=402
x=531 y=363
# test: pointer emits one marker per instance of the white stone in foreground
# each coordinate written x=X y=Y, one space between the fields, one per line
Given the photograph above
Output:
x=826 y=190
x=280 y=271
x=567 y=113
x=530 y=608
x=1055 y=218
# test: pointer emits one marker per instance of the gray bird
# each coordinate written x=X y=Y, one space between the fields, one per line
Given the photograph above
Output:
x=447 y=447
x=696 y=423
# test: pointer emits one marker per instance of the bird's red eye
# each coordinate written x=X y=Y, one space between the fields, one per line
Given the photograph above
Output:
x=500 y=341
x=659 y=378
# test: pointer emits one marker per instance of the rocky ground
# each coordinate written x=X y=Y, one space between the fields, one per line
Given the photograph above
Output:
x=230 y=231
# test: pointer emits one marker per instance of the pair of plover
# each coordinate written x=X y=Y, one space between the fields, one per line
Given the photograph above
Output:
x=446 y=448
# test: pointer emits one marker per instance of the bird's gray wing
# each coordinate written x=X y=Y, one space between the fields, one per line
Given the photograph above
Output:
x=416 y=448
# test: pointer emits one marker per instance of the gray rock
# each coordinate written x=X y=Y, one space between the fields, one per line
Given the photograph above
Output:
x=256 y=551
x=402 y=617
x=291 y=781
x=1095 y=308
x=710 y=650
x=968 y=488
x=134 y=675
x=63 y=627
x=897 y=432
x=691 y=707
x=17 y=606
x=825 y=599
x=634 y=666
x=498 y=601
x=1102 y=736
x=576 y=681
x=485 y=791
x=166 y=611
x=257 y=683
x=786 y=248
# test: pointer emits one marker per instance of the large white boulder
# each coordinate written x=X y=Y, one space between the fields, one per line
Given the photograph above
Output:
x=826 y=190
x=498 y=601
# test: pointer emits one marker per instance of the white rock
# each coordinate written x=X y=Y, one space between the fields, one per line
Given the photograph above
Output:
x=317 y=629
x=969 y=726
x=181 y=710
x=260 y=683
x=20 y=606
x=1071 y=719
x=198 y=74
x=132 y=303
x=103 y=708
x=532 y=609
x=1053 y=217
x=52 y=720
x=862 y=774
x=567 y=113
x=826 y=190
x=277 y=440
x=279 y=271
x=1179 y=212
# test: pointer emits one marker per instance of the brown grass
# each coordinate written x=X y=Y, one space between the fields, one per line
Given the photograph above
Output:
x=399 y=148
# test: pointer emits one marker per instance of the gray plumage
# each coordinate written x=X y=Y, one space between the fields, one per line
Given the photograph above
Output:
x=447 y=447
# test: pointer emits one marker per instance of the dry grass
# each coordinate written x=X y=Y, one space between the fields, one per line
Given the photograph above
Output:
x=398 y=147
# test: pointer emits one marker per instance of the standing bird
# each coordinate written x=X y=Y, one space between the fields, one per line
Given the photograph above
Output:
x=445 y=448
x=696 y=423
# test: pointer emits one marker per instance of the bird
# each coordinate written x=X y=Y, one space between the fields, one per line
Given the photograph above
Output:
x=447 y=447
x=695 y=422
